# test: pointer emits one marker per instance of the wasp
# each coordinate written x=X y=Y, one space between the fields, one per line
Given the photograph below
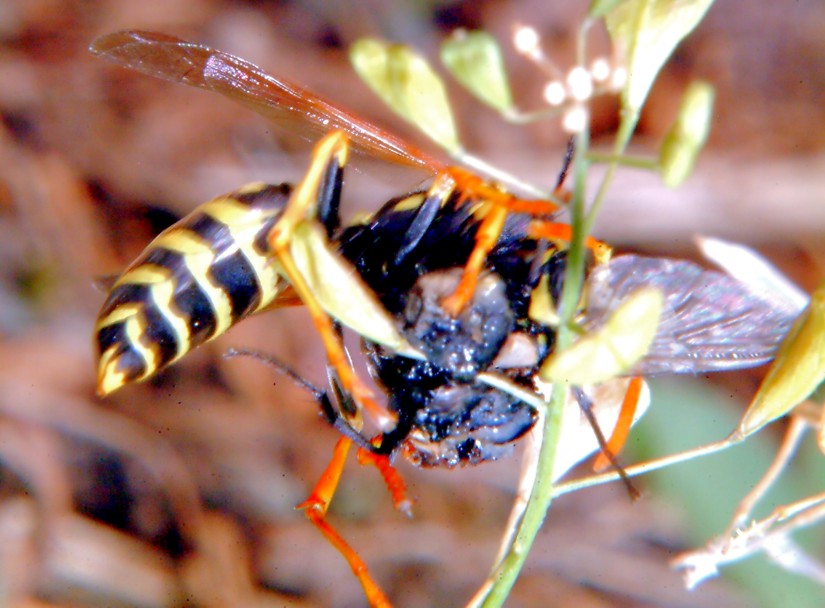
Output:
x=438 y=283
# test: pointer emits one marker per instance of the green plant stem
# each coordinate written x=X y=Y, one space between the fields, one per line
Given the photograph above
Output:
x=626 y=128
x=506 y=572
x=638 y=162
x=648 y=467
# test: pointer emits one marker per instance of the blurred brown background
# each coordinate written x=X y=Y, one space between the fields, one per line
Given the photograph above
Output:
x=99 y=501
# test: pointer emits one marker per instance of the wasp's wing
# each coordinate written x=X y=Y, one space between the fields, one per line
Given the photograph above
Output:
x=710 y=321
x=176 y=60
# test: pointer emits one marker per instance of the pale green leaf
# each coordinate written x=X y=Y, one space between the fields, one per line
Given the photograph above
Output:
x=407 y=83
x=612 y=350
x=599 y=8
x=645 y=32
x=474 y=58
x=341 y=292
x=798 y=369
x=688 y=134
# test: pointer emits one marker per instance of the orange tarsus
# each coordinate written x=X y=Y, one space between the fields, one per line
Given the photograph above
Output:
x=488 y=233
x=375 y=596
x=394 y=481
x=321 y=495
x=315 y=508
x=499 y=203
x=553 y=231
x=622 y=429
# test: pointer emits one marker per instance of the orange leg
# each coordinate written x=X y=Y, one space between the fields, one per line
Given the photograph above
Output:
x=321 y=495
x=476 y=189
x=495 y=204
x=395 y=484
x=302 y=206
x=517 y=205
x=315 y=508
x=553 y=231
x=336 y=356
x=622 y=429
x=486 y=238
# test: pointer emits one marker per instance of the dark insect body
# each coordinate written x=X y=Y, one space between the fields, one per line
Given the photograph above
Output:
x=213 y=268
x=445 y=415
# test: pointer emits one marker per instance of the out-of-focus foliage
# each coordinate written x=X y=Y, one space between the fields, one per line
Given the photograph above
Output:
x=407 y=83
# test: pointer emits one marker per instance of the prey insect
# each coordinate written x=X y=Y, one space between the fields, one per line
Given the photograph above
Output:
x=438 y=284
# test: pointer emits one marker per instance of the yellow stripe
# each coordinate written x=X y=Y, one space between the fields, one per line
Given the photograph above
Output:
x=244 y=224
x=163 y=293
x=199 y=257
x=162 y=285
x=409 y=203
x=120 y=314
x=268 y=279
x=181 y=240
x=135 y=330
x=110 y=376
x=229 y=211
x=143 y=274
x=251 y=188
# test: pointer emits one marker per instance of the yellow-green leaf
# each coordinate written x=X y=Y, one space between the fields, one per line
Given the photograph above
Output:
x=407 y=83
x=474 y=58
x=645 y=33
x=340 y=291
x=688 y=134
x=798 y=369
x=599 y=8
x=613 y=349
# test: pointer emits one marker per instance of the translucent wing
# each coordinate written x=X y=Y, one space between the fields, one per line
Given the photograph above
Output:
x=290 y=106
x=710 y=321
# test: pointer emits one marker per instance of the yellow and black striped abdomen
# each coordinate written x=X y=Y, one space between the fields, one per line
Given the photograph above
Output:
x=194 y=281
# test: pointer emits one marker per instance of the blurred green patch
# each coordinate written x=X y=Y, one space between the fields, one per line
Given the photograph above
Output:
x=686 y=413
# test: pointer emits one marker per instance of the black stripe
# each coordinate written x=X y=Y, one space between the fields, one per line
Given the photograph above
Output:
x=270 y=197
x=260 y=245
x=239 y=281
x=159 y=332
x=232 y=272
x=188 y=297
x=329 y=197
x=129 y=360
x=127 y=293
x=211 y=231
x=200 y=316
